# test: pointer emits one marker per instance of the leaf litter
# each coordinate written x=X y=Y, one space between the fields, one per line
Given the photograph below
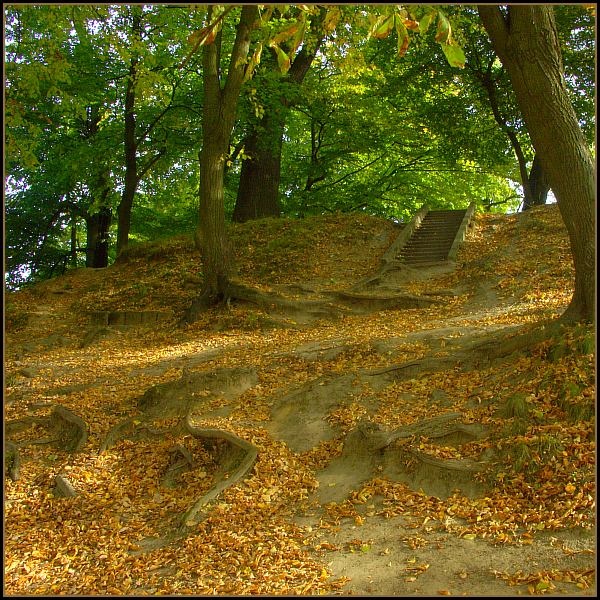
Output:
x=538 y=408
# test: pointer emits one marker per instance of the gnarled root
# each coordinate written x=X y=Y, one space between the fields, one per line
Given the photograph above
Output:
x=236 y=462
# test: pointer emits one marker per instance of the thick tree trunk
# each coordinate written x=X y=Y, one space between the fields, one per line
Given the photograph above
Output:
x=258 y=192
x=526 y=40
x=98 y=225
x=219 y=113
x=538 y=185
x=211 y=237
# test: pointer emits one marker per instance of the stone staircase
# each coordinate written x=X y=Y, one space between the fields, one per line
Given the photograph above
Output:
x=433 y=239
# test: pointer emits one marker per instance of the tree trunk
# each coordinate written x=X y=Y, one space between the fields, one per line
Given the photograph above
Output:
x=526 y=40
x=131 y=176
x=98 y=225
x=258 y=191
x=130 y=145
x=218 y=118
x=490 y=87
x=211 y=237
x=73 y=252
x=538 y=185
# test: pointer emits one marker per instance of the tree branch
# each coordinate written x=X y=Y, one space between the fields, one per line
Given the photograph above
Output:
x=235 y=74
x=495 y=24
x=153 y=124
x=351 y=173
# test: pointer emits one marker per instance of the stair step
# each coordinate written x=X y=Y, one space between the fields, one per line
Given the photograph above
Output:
x=432 y=241
x=419 y=254
x=430 y=244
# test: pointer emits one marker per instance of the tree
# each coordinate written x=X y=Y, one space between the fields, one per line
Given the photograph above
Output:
x=378 y=133
x=48 y=83
x=151 y=96
x=526 y=40
x=218 y=117
x=258 y=191
x=98 y=79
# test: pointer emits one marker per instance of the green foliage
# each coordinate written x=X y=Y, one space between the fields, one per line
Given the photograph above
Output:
x=576 y=406
x=384 y=121
x=521 y=456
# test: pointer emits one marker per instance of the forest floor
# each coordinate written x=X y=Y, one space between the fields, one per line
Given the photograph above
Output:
x=401 y=451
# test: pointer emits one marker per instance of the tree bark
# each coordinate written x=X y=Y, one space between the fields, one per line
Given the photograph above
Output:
x=489 y=85
x=133 y=171
x=538 y=185
x=258 y=191
x=131 y=176
x=73 y=252
x=98 y=225
x=218 y=118
x=526 y=40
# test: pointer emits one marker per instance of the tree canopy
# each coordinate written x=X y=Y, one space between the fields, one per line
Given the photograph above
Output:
x=397 y=107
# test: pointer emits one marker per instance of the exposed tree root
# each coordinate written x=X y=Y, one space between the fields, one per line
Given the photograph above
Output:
x=192 y=389
x=12 y=460
x=369 y=446
x=69 y=431
x=375 y=438
x=63 y=488
x=344 y=303
x=366 y=303
x=237 y=460
x=272 y=301
x=181 y=462
x=500 y=346
x=494 y=347
x=134 y=429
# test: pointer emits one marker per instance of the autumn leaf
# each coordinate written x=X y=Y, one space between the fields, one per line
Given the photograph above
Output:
x=426 y=20
x=403 y=38
x=444 y=30
x=454 y=55
x=285 y=34
x=382 y=27
x=283 y=60
x=331 y=19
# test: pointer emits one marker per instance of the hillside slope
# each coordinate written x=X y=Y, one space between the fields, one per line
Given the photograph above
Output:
x=400 y=452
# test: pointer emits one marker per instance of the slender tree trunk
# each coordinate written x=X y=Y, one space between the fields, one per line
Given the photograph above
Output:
x=526 y=40
x=73 y=252
x=490 y=87
x=218 y=118
x=131 y=176
x=130 y=145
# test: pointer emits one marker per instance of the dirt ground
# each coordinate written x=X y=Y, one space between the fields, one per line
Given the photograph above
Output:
x=307 y=387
